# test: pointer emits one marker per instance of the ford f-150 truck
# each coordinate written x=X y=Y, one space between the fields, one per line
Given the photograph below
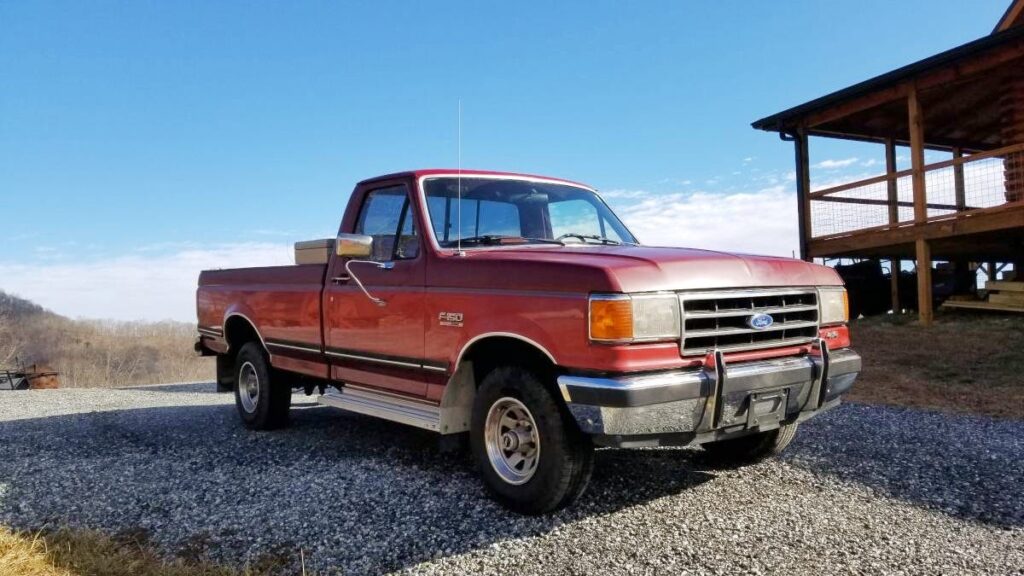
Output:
x=521 y=311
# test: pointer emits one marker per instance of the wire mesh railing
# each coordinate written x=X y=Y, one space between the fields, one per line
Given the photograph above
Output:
x=980 y=181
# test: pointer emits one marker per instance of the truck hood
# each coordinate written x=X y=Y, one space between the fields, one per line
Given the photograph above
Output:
x=646 y=268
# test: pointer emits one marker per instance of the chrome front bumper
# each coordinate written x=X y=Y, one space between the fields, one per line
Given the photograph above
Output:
x=710 y=402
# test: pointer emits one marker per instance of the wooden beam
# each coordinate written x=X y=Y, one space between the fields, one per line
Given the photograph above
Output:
x=1015 y=11
x=924 y=282
x=891 y=184
x=855 y=105
x=803 y=191
x=936 y=144
x=875 y=202
x=958 y=180
x=981 y=305
x=916 y=122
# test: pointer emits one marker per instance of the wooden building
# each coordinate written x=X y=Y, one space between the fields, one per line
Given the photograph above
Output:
x=967 y=209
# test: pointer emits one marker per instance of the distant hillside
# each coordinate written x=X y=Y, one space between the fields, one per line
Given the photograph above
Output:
x=16 y=308
x=97 y=352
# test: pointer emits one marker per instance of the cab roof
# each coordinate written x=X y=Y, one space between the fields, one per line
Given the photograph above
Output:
x=422 y=172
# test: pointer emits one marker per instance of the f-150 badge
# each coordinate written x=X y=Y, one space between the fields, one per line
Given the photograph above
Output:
x=450 y=319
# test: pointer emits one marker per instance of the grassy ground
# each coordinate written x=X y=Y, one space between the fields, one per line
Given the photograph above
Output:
x=970 y=363
x=88 y=553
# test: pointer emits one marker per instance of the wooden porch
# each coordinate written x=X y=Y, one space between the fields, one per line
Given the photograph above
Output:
x=968 y=209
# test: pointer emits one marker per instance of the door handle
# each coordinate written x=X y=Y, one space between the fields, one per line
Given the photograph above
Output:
x=340 y=279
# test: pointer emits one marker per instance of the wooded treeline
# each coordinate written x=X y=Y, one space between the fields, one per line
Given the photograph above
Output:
x=98 y=352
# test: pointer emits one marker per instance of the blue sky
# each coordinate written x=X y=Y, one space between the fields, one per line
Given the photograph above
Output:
x=136 y=136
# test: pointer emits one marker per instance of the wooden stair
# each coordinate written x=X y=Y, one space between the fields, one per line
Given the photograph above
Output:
x=1003 y=296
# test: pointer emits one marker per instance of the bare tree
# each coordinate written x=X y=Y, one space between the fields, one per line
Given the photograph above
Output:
x=9 y=345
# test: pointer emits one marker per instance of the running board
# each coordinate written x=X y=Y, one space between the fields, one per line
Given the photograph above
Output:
x=392 y=407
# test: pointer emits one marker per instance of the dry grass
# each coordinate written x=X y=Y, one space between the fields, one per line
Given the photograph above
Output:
x=22 y=555
x=87 y=553
x=970 y=363
x=99 y=353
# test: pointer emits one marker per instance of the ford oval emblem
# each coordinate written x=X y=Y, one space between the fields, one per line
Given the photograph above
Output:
x=760 y=321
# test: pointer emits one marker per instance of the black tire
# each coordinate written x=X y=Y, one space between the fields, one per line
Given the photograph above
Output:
x=266 y=408
x=566 y=455
x=752 y=448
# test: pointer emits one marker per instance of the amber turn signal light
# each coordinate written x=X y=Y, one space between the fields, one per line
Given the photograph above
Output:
x=611 y=319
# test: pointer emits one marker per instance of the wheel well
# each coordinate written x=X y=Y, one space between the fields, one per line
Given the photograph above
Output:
x=475 y=363
x=238 y=331
x=489 y=353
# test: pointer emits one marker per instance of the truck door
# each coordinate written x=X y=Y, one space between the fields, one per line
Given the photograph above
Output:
x=369 y=344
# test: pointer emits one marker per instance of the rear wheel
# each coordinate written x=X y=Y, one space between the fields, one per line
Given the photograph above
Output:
x=262 y=400
x=752 y=448
x=531 y=455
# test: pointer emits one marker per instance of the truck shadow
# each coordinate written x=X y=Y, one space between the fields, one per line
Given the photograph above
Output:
x=191 y=476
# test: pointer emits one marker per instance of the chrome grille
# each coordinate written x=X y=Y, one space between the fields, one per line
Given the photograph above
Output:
x=719 y=319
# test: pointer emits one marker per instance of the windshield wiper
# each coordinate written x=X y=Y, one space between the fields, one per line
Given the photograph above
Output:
x=584 y=237
x=498 y=239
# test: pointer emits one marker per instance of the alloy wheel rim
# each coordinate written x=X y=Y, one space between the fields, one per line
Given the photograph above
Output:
x=248 y=387
x=512 y=440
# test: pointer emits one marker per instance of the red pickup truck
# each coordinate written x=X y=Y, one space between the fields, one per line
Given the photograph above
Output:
x=521 y=311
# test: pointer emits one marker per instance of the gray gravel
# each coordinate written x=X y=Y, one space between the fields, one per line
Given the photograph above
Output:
x=861 y=490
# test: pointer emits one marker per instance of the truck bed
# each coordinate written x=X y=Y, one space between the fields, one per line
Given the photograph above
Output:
x=283 y=303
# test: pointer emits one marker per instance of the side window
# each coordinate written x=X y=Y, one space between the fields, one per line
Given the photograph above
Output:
x=387 y=217
x=578 y=217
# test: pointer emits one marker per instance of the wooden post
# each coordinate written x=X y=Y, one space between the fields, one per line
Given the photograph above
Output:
x=803 y=190
x=958 y=181
x=893 y=189
x=923 y=249
x=894 y=218
x=924 y=281
x=916 y=123
x=894 y=284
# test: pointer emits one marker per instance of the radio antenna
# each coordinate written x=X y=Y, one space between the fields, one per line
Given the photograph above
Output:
x=458 y=185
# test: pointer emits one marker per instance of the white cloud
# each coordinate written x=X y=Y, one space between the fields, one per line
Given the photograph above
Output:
x=620 y=193
x=762 y=222
x=836 y=164
x=144 y=285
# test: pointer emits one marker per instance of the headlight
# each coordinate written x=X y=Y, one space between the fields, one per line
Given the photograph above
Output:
x=636 y=318
x=833 y=305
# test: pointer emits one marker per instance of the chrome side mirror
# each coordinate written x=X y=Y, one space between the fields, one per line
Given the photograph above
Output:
x=354 y=246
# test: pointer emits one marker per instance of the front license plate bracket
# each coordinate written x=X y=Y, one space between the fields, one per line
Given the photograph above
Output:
x=765 y=408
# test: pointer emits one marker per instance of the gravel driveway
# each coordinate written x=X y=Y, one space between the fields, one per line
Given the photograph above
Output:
x=861 y=490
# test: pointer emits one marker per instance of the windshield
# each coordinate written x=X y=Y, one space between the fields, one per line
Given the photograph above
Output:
x=505 y=211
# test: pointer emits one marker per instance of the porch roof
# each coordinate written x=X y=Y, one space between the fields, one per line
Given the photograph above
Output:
x=957 y=90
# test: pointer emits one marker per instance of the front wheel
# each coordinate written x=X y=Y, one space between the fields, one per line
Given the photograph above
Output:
x=262 y=401
x=531 y=455
x=752 y=448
